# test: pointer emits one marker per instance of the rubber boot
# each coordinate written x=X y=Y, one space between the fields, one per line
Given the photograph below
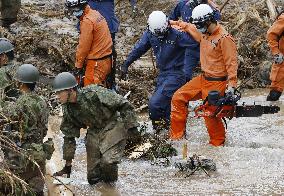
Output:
x=109 y=173
x=273 y=95
x=7 y=22
x=95 y=177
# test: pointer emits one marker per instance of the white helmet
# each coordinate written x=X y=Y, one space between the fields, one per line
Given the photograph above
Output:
x=158 y=23
x=193 y=3
x=202 y=13
x=76 y=7
x=201 y=17
x=73 y=3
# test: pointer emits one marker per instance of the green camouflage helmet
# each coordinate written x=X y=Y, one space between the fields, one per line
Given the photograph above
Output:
x=27 y=73
x=5 y=46
x=64 y=81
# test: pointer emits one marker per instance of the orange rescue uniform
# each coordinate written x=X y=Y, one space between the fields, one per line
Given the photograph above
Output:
x=218 y=57
x=95 y=47
x=275 y=38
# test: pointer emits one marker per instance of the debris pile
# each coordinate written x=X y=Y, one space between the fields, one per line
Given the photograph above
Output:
x=11 y=183
x=152 y=147
x=248 y=22
x=196 y=163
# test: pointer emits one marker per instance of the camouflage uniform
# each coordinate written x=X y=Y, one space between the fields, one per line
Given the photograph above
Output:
x=31 y=112
x=7 y=85
x=9 y=11
x=107 y=116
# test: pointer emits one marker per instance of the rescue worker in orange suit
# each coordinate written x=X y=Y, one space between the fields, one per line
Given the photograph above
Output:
x=107 y=9
x=94 y=52
x=218 y=57
x=275 y=38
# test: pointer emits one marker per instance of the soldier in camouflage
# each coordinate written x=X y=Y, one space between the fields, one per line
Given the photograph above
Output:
x=107 y=117
x=30 y=111
x=9 y=12
x=7 y=69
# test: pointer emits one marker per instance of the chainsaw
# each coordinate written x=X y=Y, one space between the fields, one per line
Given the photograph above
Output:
x=227 y=107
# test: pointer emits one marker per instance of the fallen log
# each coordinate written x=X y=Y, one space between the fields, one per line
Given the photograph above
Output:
x=141 y=108
x=241 y=21
x=271 y=5
x=224 y=4
x=255 y=14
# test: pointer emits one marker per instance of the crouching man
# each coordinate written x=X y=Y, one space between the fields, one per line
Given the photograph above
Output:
x=107 y=117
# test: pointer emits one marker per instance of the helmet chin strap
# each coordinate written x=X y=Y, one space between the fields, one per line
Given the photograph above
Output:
x=70 y=98
x=69 y=95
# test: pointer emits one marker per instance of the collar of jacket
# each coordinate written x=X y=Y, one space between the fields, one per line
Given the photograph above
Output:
x=86 y=11
x=216 y=30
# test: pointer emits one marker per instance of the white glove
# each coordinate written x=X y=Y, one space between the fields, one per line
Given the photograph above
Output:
x=278 y=58
x=230 y=90
x=134 y=9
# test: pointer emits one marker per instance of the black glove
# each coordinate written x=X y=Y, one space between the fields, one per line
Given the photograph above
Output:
x=134 y=135
x=48 y=148
x=66 y=170
x=123 y=75
x=78 y=71
x=279 y=58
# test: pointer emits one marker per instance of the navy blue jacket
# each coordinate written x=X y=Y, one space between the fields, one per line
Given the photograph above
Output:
x=183 y=10
x=106 y=8
x=171 y=52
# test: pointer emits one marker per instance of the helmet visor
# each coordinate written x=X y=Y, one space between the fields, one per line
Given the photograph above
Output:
x=199 y=25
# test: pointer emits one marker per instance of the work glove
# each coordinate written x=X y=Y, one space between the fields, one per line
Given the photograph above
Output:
x=78 y=71
x=123 y=73
x=279 y=58
x=134 y=135
x=230 y=90
x=134 y=138
x=48 y=148
x=66 y=170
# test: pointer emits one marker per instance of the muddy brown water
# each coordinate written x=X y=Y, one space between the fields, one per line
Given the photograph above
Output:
x=250 y=163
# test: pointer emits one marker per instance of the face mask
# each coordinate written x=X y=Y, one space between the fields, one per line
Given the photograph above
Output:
x=78 y=13
x=161 y=34
x=201 y=27
x=202 y=30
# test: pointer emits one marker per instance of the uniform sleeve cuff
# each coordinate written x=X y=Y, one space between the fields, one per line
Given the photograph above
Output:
x=232 y=83
x=78 y=65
